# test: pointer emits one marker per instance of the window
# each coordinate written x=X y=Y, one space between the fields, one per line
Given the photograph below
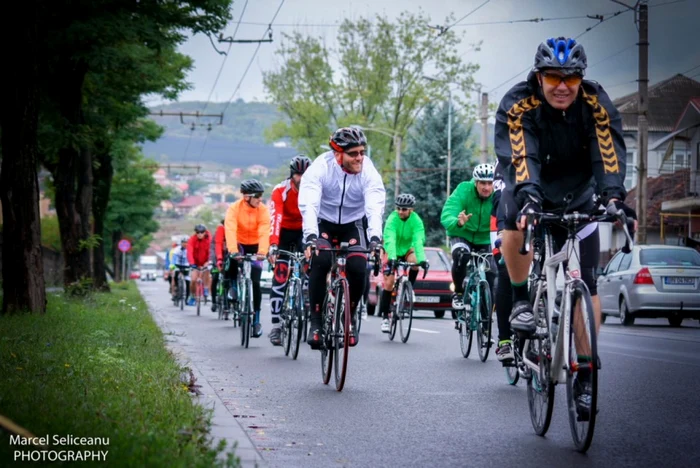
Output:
x=614 y=264
x=631 y=174
x=674 y=257
x=626 y=261
x=436 y=261
x=681 y=160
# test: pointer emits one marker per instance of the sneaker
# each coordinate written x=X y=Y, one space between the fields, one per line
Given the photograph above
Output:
x=213 y=306
x=206 y=292
x=276 y=336
x=457 y=301
x=504 y=352
x=522 y=318
x=353 y=336
x=582 y=396
x=257 y=330
x=191 y=301
x=385 y=326
x=314 y=339
x=364 y=314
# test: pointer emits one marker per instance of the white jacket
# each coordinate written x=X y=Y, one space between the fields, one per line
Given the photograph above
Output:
x=328 y=192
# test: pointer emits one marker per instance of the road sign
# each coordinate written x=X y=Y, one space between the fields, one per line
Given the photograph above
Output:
x=124 y=245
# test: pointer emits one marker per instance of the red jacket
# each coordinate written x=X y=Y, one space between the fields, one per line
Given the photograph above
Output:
x=198 y=250
x=284 y=210
x=220 y=242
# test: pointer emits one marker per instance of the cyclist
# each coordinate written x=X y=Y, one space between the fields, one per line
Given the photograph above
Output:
x=466 y=216
x=198 y=256
x=247 y=230
x=286 y=232
x=178 y=261
x=560 y=140
x=168 y=261
x=217 y=245
x=340 y=192
x=404 y=240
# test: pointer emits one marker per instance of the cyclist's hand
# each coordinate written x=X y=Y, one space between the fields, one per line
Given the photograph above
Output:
x=272 y=253
x=389 y=267
x=193 y=266
x=375 y=245
x=220 y=265
x=613 y=207
x=309 y=245
x=463 y=218
x=424 y=264
x=531 y=206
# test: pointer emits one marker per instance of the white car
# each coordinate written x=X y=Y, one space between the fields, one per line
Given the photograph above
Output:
x=266 y=277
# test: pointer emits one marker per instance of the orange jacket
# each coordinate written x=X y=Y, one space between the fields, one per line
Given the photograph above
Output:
x=248 y=226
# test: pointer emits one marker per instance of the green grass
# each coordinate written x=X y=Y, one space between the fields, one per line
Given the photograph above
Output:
x=98 y=367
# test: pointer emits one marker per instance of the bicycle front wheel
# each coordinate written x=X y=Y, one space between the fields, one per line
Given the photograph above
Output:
x=582 y=373
x=297 y=319
x=341 y=332
x=483 y=320
x=404 y=310
x=465 y=326
x=327 y=340
x=540 y=389
x=286 y=318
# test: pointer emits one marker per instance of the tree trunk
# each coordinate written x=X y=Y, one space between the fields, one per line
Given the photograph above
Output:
x=100 y=196
x=22 y=266
x=73 y=178
x=117 y=257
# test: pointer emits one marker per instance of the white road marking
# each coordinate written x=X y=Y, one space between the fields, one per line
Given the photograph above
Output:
x=423 y=330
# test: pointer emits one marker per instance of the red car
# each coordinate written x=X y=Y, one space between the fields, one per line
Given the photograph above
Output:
x=432 y=292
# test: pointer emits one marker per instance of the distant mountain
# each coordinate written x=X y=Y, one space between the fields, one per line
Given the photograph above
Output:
x=238 y=141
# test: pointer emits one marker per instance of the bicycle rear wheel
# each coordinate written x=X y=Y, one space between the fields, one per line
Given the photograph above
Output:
x=286 y=318
x=582 y=373
x=405 y=311
x=327 y=340
x=540 y=389
x=181 y=291
x=483 y=320
x=394 y=316
x=297 y=320
x=341 y=332
x=244 y=317
x=198 y=295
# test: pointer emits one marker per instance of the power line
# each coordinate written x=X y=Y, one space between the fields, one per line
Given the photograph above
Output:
x=464 y=17
x=612 y=55
x=221 y=68
x=688 y=71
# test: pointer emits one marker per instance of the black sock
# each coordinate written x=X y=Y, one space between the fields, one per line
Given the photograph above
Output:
x=520 y=291
x=384 y=303
x=412 y=275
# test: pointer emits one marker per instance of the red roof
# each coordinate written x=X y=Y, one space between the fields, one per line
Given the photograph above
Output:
x=191 y=201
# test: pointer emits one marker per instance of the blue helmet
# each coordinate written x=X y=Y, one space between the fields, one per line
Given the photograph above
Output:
x=563 y=54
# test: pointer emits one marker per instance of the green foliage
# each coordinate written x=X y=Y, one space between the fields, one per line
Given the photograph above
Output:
x=374 y=78
x=50 y=233
x=427 y=149
x=98 y=367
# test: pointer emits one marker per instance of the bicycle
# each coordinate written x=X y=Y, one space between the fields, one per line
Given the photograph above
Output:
x=476 y=319
x=199 y=286
x=293 y=314
x=181 y=296
x=223 y=302
x=565 y=342
x=337 y=316
x=402 y=298
x=245 y=315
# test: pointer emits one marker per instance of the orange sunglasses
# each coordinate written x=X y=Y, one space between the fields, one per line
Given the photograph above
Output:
x=568 y=80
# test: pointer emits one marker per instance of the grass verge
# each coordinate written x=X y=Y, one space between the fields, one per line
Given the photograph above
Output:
x=98 y=367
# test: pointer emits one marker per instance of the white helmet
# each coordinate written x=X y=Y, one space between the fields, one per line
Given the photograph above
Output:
x=483 y=172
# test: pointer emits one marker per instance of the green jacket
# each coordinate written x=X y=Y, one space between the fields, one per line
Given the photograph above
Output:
x=465 y=198
x=400 y=236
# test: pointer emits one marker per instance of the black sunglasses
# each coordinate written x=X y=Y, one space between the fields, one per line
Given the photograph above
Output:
x=356 y=153
x=256 y=195
x=402 y=208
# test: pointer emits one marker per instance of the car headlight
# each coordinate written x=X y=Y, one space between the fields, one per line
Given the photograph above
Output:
x=452 y=287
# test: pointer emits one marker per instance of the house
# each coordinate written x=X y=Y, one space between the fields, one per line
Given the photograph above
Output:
x=667 y=100
x=258 y=170
x=166 y=205
x=236 y=173
x=188 y=204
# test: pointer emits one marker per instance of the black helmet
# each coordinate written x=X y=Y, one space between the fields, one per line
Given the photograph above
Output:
x=346 y=138
x=200 y=228
x=299 y=164
x=405 y=200
x=184 y=240
x=563 y=54
x=251 y=186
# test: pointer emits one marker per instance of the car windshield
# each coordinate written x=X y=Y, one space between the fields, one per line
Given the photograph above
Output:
x=437 y=262
x=669 y=257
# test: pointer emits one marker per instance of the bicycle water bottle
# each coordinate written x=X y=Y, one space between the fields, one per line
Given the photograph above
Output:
x=556 y=314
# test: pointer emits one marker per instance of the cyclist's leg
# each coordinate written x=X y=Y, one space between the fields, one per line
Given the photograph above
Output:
x=214 y=284
x=279 y=279
x=460 y=251
x=413 y=272
x=321 y=263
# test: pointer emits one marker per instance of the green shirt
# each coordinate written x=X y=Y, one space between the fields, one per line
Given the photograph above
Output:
x=400 y=236
x=466 y=198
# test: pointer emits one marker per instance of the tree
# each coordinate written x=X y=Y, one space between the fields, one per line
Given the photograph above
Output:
x=377 y=80
x=22 y=267
x=427 y=149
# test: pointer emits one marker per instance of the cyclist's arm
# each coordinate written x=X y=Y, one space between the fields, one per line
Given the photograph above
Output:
x=418 y=238
x=167 y=259
x=231 y=226
x=310 y=191
x=263 y=230
x=452 y=207
x=607 y=147
x=276 y=215
x=190 y=250
x=389 y=237
x=219 y=239
x=375 y=198
x=517 y=146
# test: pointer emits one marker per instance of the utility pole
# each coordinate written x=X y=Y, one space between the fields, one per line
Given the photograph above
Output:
x=642 y=123
x=449 y=151
x=397 y=183
x=484 y=127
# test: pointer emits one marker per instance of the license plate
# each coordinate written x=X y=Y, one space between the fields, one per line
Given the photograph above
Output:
x=428 y=299
x=681 y=280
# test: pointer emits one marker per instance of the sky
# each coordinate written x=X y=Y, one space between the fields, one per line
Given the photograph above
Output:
x=506 y=53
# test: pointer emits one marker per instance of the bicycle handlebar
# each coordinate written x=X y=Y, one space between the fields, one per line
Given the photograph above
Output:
x=409 y=265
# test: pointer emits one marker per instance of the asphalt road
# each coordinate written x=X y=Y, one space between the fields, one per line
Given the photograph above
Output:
x=422 y=404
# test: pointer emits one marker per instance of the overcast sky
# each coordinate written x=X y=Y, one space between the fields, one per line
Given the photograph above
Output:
x=507 y=49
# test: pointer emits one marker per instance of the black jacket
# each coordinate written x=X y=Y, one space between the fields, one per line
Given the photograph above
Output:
x=549 y=154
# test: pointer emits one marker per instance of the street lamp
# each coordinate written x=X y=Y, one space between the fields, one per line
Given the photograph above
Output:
x=397 y=145
x=449 y=131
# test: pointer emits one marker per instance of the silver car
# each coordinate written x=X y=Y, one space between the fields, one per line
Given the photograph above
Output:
x=652 y=281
